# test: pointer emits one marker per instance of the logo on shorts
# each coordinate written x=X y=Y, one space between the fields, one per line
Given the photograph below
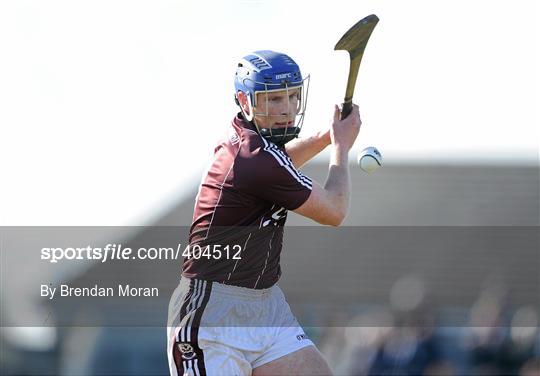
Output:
x=187 y=351
x=301 y=337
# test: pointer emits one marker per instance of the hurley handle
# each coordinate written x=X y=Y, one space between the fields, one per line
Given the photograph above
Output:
x=346 y=110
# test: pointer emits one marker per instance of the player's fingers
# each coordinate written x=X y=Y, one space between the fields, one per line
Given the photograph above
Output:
x=337 y=113
x=356 y=111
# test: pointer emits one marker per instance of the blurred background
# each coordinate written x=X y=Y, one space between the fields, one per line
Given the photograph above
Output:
x=109 y=112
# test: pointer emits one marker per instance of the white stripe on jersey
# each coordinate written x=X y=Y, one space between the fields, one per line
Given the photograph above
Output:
x=286 y=162
x=240 y=256
x=220 y=192
x=290 y=163
x=266 y=260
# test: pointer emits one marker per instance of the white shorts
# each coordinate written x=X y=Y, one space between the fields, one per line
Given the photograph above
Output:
x=216 y=329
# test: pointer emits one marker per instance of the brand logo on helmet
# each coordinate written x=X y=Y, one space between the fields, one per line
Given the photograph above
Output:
x=283 y=75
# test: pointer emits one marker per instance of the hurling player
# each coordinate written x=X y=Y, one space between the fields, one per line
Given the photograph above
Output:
x=228 y=316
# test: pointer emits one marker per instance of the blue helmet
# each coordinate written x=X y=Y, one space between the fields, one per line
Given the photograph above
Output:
x=264 y=72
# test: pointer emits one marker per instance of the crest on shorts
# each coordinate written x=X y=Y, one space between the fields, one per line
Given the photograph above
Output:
x=187 y=351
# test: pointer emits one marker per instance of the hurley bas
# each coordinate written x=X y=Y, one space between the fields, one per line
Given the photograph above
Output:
x=97 y=291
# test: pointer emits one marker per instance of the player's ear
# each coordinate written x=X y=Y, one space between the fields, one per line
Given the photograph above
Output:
x=243 y=101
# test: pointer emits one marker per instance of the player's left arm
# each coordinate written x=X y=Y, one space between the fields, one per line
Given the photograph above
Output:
x=301 y=150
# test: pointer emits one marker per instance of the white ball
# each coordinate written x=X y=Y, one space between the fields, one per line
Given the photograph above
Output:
x=370 y=159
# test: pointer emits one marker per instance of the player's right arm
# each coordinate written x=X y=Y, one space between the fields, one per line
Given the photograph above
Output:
x=329 y=204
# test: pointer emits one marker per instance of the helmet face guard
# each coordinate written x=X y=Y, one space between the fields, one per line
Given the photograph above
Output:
x=280 y=136
x=265 y=72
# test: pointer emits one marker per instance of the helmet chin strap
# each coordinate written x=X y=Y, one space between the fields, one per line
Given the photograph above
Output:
x=280 y=136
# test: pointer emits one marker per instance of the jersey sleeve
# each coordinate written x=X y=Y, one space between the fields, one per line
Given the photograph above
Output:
x=273 y=177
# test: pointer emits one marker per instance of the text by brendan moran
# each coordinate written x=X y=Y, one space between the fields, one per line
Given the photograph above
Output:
x=98 y=291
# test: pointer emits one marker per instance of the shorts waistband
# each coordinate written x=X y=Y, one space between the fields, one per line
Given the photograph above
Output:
x=220 y=288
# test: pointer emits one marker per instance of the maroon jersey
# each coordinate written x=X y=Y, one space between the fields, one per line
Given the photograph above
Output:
x=241 y=208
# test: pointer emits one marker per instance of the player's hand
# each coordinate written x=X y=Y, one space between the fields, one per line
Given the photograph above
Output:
x=344 y=132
